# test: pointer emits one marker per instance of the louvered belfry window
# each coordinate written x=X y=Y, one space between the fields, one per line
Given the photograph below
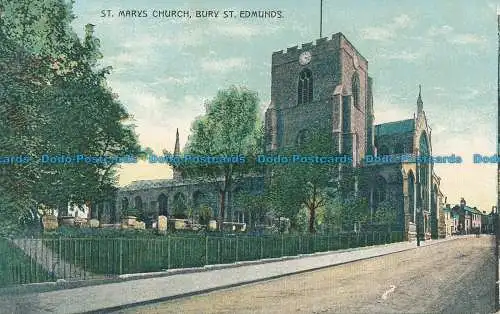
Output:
x=305 y=90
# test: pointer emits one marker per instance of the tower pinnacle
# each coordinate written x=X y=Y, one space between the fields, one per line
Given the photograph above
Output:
x=420 y=103
x=177 y=146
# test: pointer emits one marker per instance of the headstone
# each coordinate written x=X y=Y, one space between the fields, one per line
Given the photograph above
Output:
x=140 y=225
x=49 y=222
x=130 y=220
x=81 y=222
x=94 y=223
x=180 y=224
x=68 y=221
x=212 y=225
x=162 y=224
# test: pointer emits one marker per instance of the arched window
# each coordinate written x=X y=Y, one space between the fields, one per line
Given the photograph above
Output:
x=302 y=138
x=380 y=190
x=411 y=196
x=355 y=89
x=399 y=148
x=305 y=88
x=138 y=203
x=383 y=150
x=163 y=205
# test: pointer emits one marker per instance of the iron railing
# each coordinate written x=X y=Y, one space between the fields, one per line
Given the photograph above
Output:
x=49 y=259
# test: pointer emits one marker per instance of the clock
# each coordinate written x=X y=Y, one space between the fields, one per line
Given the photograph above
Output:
x=305 y=58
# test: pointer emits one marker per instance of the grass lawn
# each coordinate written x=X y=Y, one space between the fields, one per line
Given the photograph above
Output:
x=17 y=268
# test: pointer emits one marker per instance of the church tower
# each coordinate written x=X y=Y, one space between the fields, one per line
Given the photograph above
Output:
x=321 y=85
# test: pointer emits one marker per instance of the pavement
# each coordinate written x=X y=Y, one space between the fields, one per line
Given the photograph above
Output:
x=453 y=277
x=120 y=295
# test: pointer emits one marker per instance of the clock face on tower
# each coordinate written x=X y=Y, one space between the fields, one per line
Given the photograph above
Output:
x=305 y=58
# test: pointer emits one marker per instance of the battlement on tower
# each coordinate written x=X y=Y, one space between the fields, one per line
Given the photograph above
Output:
x=335 y=42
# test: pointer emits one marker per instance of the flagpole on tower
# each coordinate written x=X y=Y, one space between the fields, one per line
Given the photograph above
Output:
x=321 y=19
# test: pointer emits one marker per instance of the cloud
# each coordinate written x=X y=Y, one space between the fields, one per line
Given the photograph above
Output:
x=224 y=65
x=126 y=59
x=181 y=80
x=447 y=32
x=387 y=32
x=404 y=55
x=442 y=30
x=466 y=39
x=243 y=30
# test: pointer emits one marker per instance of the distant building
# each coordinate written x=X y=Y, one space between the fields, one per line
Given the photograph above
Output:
x=470 y=219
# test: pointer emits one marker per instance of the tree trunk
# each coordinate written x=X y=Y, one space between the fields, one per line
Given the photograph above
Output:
x=222 y=209
x=312 y=216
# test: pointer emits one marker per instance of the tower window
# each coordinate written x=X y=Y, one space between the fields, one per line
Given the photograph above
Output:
x=302 y=138
x=355 y=89
x=305 y=88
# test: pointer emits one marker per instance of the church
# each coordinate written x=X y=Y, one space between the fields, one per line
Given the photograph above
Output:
x=326 y=85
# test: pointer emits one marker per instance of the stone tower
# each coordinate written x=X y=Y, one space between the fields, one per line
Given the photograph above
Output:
x=321 y=85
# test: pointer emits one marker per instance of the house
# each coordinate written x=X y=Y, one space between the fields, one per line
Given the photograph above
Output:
x=469 y=218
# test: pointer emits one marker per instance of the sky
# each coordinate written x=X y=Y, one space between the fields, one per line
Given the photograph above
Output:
x=164 y=69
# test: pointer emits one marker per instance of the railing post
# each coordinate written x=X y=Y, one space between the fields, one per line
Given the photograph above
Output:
x=300 y=249
x=206 y=249
x=168 y=252
x=237 y=248
x=282 y=245
x=121 y=255
x=261 y=248
x=219 y=255
x=328 y=241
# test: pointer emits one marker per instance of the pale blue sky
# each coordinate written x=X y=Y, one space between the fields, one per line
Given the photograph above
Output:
x=164 y=69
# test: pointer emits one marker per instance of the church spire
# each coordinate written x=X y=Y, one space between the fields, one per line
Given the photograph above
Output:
x=177 y=146
x=420 y=103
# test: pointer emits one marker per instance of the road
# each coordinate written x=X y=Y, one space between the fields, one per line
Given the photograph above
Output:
x=451 y=277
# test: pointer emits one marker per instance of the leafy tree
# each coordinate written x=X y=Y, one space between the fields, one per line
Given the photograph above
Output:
x=353 y=210
x=56 y=102
x=302 y=184
x=206 y=214
x=385 y=214
x=254 y=205
x=230 y=128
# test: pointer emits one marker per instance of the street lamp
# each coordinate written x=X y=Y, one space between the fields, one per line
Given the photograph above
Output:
x=418 y=225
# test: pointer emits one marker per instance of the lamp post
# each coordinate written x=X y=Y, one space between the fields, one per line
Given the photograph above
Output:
x=418 y=225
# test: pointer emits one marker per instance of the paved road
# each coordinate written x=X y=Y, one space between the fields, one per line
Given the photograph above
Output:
x=452 y=277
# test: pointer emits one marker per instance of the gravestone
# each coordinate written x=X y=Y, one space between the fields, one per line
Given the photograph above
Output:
x=212 y=225
x=140 y=225
x=162 y=224
x=49 y=222
x=94 y=223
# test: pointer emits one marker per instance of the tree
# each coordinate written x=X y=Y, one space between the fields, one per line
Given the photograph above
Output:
x=304 y=183
x=385 y=214
x=254 y=205
x=230 y=129
x=353 y=211
x=57 y=103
